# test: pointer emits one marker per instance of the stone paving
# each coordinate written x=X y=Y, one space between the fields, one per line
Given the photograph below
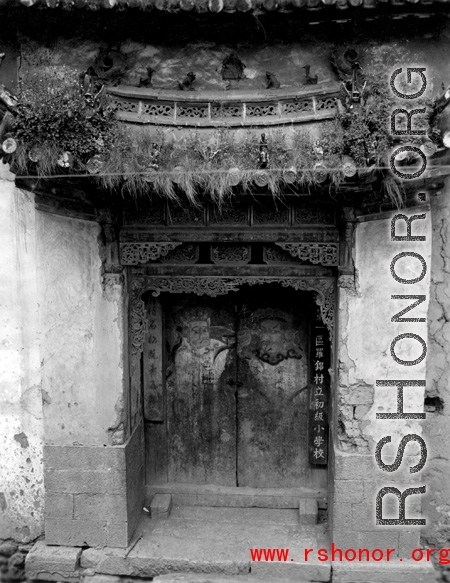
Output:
x=199 y=544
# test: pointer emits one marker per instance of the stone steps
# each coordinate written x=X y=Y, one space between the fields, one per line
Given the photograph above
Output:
x=204 y=578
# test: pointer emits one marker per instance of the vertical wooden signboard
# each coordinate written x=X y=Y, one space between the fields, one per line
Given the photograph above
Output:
x=153 y=364
x=319 y=393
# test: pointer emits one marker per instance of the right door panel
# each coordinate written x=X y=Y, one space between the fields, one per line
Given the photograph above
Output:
x=272 y=399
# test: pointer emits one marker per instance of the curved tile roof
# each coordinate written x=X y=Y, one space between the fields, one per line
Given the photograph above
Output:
x=216 y=6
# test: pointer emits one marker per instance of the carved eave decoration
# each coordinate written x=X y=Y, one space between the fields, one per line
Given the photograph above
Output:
x=137 y=253
x=257 y=7
x=326 y=254
x=316 y=253
x=202 y=164
x=218 y=109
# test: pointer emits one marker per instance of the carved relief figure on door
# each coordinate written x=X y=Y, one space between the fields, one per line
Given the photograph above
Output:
x=272 y=403
x=198 y=426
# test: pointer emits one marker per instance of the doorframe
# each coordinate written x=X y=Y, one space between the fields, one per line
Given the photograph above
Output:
x=156 y=398
x=323 y=287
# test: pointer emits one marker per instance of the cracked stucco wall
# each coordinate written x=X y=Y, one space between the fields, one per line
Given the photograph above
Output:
x=437 y=424
x=365 y=333
x=81 y=327
x=21 y=421
x=61 y=350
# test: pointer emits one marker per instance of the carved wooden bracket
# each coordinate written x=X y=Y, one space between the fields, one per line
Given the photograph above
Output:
x=137 y=253
x=346 y=263
x=323 y=253
x=348 y=282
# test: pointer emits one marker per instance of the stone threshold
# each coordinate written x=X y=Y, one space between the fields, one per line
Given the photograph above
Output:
x=231 y=496
x=200 y=544
x=198 y=541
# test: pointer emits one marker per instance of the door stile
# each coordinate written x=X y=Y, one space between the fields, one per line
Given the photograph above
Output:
x=155 y=409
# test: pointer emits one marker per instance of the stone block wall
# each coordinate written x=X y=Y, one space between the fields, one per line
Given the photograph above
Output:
x=357 y=482
x=93 y=495
x=12 y=561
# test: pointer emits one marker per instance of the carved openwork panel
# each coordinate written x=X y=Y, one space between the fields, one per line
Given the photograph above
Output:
x=192 y=111
x=123 y=105
x=295 y=213
x=183 y=254
x=270 y=214
x=275 y=255
x=235 y=214
x=261 y=109
x=137 y=253
x=187 y=215
x=314 y=215
x=323 y=253
x=230 y=254
x=178 y=253
x=162 y=109
x=296 y=107
x=151 y=216
x=328 y=103
x=226 y=111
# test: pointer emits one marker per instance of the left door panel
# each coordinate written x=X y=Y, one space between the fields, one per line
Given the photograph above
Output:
x=196 y=435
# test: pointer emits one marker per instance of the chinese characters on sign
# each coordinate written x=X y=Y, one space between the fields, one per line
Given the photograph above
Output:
x=153 y=402
x=318 y=399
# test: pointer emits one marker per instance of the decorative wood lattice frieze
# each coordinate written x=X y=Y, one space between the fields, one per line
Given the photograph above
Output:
x=224 y=109
x=274 y=255
x=230 y=254
x=183 y=254
x=137 y=253
x=317 y=253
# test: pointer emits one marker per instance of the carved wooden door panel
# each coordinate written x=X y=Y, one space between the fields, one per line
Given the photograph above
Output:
x=225 y=391
x=201 y=404
x=272 y=400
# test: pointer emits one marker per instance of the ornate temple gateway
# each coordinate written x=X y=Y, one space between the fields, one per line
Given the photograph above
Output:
x=200 y=310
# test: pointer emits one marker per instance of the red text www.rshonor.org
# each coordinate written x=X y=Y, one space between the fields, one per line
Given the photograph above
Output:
x=336 y=554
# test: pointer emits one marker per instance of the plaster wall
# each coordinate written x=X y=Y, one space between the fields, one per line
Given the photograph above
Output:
x=437 y=425
x=365 y=334
x=21 y=418
x=81 y=336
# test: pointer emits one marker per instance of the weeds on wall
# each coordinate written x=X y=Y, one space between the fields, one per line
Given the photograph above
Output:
x=58 y=131
x=53 y=118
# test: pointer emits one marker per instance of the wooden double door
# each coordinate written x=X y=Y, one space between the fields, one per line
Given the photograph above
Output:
x=232 y=405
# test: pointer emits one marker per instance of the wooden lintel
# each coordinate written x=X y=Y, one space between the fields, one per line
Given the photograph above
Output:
x=275 y=271
x=224 y=235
